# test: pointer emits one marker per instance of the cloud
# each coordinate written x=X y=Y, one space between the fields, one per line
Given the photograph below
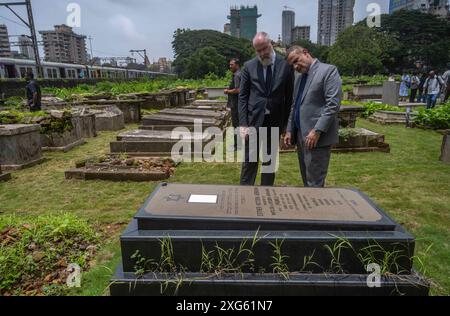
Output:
x=126 y=27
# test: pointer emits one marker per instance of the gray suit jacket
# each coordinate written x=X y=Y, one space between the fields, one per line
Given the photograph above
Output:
x=320 y=104
x=254 y=99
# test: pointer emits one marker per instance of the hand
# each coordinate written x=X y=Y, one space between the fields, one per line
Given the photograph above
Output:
x=226 y=91
x=244 y=132
x=312 y=139
x=288 y=139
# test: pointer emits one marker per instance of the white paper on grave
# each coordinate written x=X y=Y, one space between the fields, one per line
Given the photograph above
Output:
x=206 y=199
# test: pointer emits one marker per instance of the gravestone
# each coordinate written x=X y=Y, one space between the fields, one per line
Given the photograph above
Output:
x=195 y=225
x=84 y=123
x=445 y=150
x=20 y=146
x=4 y=176
x=391 y=117
x=391 y=93
x=110 y=118
x=163 y=119
x=194 y=113
x=157 y=143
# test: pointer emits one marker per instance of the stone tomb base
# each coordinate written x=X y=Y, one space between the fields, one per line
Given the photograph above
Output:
x=157 y=143
x=120 y=169
x=4 y=176
x=360 y=140
x=20 y=146
x=390 y=117
x=223 y=240
x=262 y=285
x=164 y=119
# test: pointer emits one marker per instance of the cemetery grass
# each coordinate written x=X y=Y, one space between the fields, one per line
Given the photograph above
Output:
x=410 y=183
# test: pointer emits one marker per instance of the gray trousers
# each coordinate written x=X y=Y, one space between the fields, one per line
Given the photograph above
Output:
x=313 y=164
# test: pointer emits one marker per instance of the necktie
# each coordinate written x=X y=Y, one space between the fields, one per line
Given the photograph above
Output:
x=298 y=102
x=269 y=75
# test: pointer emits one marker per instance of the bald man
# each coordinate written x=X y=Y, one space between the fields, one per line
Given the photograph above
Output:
x=264 y=102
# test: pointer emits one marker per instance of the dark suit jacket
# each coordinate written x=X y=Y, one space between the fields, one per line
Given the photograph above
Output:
x=320 y=104
x=254 y=99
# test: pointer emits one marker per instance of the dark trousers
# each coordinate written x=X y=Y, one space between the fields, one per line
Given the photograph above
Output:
x=249 y=168
x=431 y=101
x=412 y=98
x=313 y=164
x=235 y=123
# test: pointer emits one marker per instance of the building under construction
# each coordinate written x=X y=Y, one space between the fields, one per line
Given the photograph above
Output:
x=334 y=17
x=244 y=21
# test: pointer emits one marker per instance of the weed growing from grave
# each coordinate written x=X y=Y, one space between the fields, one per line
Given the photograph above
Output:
x=308 y=261
x=336 y=251
x=279 y=265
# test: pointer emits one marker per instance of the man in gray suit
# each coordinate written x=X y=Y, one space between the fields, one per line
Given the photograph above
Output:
x=313 y=123
x=264 y=102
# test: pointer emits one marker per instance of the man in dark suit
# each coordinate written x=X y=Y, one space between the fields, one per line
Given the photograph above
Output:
x=313 y=123
x=264 y=104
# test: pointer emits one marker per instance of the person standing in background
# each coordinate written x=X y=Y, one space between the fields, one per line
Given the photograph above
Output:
x=422 y=94
x=415 y=82
x=233 y=98
x=404 y=87
x=33 y=93
x=433 y=87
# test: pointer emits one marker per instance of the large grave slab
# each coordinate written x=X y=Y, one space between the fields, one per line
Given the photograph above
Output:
x=220 y=104
x=20 y=146
x=326 y=237
x=391 y=117
x=119 y=169
x=360 y=140
x=218 y=115
x=363 y=92
x=180 y=121
x=445 y=150
x=201 y=207
x=156 y=143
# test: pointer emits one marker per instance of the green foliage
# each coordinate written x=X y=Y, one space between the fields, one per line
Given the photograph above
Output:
x=361 y=50
x=14 y=102
x=18 y=117
x=186 y=43
x=438 y=118
x=421 y=37
x=34 y=247
x=205 y=61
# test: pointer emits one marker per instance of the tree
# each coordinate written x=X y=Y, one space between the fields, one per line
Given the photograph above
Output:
x=187 y=42
x=205 y=61
x=317 y=50
x=422 y=38
x=360 y=50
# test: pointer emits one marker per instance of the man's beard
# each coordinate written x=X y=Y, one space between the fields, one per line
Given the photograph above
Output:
x=266 y=61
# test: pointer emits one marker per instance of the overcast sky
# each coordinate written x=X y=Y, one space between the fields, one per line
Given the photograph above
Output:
x=120 y=25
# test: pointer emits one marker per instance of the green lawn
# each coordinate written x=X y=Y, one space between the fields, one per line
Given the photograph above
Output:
x=410 y=183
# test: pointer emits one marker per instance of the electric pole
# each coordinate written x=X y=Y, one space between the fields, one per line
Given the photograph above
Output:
x=30 y=25
x=139 y=51
x=90 y=43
